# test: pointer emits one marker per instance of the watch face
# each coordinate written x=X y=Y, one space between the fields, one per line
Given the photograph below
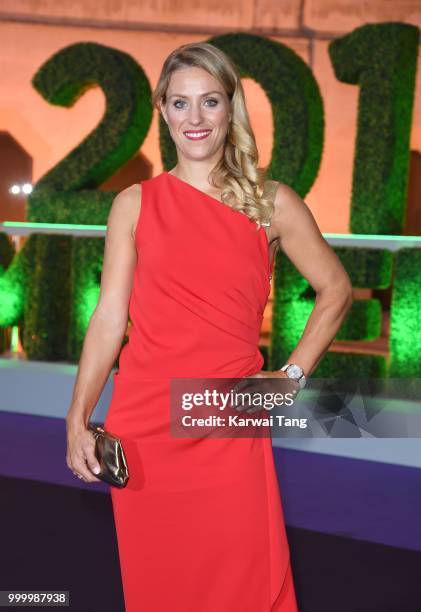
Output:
x=294 y=371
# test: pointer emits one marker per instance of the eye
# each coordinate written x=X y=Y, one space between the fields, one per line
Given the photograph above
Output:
x=177 y=101
x=180 y=103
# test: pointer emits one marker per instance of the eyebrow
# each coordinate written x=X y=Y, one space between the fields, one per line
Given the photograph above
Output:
x=204 y=94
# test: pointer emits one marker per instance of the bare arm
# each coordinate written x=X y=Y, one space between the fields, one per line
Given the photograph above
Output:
x=106 y=330
x=108 y=324
x=301 y=240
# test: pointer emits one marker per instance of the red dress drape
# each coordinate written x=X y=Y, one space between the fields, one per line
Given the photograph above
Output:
x=200 y=525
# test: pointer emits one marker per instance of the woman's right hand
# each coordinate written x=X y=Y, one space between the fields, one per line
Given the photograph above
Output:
x=80 y=456
x=106 y=330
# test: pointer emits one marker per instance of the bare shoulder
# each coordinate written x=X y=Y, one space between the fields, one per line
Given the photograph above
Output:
x=125 y=210
x=287 y=200
x=303 y=243
x=291 y=212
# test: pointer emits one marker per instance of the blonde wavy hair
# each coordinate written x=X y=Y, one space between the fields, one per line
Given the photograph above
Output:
x=237 y=173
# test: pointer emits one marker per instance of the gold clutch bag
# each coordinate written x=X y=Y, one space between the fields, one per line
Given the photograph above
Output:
x=111 y=458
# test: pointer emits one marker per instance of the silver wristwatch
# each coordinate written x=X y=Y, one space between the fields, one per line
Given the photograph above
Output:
x=295 y=372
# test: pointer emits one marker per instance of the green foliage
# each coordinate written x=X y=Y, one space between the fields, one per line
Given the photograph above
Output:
x=50 y=288
x=382 y=60
x=367 y=268
x=294 y=300
x=44 y=300
x=405 y=320
x=47 y=304
x=7 y=252
x=350 y=365
x=64 y=78
x=85 y=280
x=363 y=321
x=78 y=207
x=14 y=282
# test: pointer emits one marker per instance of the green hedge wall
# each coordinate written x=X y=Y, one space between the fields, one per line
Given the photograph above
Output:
x=7 y=252
x=405 y=320
x=67 y=193
x=382 y=60
x=86 y=266
x=294 y=300
x=14 y=283
x=46 y=312
x=51 y=286
x=63 y=79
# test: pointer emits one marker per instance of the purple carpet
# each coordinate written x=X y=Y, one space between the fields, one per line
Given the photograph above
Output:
x=354 y=498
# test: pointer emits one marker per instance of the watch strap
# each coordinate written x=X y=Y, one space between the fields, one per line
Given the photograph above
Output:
x=301 y=381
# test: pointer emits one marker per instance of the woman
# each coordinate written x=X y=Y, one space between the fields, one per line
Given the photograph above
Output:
x=200 y=525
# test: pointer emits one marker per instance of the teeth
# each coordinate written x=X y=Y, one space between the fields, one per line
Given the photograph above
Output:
x=197 y=134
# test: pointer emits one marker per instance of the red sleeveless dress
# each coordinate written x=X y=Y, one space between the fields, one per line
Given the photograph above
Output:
x=200 y=525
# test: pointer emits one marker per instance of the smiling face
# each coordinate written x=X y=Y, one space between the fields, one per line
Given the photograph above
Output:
x=197 y=111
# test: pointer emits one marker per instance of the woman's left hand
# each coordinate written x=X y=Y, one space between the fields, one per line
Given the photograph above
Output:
x=264 y=382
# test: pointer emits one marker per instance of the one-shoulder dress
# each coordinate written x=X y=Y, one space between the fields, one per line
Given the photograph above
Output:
x=200 y=524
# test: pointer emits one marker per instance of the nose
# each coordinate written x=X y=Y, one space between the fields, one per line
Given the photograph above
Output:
x=195 y=114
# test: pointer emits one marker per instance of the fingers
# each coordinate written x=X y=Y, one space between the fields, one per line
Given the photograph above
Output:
x=92 y=463
x=81 y=470
x=263 y=386
x=81 y=459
